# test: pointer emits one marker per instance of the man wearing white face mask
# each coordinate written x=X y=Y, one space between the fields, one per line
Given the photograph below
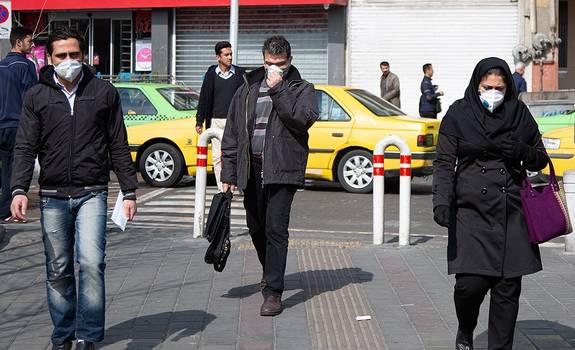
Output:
x=73 y=122
x=265 y=155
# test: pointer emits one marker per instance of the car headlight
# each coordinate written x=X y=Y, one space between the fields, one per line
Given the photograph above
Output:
x=551 y=143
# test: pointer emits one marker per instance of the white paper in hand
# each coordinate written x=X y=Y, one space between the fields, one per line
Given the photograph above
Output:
x=118 y=216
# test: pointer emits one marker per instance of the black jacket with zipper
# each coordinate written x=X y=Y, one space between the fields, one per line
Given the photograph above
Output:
x=76 y=148
x=286 y=142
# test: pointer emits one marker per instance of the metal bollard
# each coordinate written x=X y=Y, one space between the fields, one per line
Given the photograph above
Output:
x=569 y=186
x=379 y=189
x=201 y=177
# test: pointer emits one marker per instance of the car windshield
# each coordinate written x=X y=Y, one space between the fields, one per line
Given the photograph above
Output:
x=182 y=98
x=551 y=109
x=376 y=105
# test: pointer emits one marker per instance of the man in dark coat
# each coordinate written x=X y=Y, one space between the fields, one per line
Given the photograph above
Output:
x=17 y=76
x=487 y=141
x=429 y=100
x=520 y=82
x=265 y=150
x=220 y=84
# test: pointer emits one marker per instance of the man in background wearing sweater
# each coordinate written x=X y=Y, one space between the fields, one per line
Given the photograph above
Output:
x=220 y=84
x=17 y=75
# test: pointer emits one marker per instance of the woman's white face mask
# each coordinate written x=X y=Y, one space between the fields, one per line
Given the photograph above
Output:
x=491 y=99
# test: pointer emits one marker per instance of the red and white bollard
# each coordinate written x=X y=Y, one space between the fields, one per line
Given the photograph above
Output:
x=379 y=189
x=201 y=177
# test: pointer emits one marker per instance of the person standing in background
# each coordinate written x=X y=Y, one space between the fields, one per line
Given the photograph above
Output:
x=429 y=102
x=520 y=82
x=220 y=84
x=17 y=75
x=389 y=85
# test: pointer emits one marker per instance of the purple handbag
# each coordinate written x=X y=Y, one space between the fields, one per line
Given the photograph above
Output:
x=545 y=209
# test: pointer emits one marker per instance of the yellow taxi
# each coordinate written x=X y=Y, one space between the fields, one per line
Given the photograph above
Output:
x=560 y=146
x=341 y=143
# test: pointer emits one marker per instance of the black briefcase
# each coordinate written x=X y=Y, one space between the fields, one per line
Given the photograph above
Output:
x=217 y=231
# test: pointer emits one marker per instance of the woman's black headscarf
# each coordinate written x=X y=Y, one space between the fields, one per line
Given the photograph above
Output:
x=467 y=118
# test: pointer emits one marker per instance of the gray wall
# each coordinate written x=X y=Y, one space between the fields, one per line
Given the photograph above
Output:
x=336 y=44
x=160 y=41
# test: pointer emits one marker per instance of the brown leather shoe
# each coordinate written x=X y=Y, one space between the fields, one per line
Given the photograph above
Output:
x=272 y=306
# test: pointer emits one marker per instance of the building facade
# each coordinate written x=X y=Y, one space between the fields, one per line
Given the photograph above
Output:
x=334 y=41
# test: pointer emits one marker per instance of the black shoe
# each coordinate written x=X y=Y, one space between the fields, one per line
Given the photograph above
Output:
x=85 y=345
x=272 y=306
x=463 y=341
x=66 y=346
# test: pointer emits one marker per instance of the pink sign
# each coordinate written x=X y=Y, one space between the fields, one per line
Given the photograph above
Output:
x=38 y=56
x=143 y=55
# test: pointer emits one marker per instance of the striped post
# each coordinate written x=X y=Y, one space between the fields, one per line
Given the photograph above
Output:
x=379 y=189
x=201 y=177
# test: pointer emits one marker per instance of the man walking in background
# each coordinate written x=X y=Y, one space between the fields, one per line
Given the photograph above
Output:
x=389 y=85
x=73 y=122
x=17 y=75
x=220 y=84
x=520 y=82
x=429 y=104
x=265 y=150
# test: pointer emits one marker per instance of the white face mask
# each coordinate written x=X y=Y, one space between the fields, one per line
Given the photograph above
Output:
x=68 y=69
x=491 y=99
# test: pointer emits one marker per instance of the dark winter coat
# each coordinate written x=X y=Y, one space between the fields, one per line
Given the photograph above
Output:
x=17 y=75
x=429 y=96
x=206 y=102
x=487 y=229
x=286 y=142
x=76 y=150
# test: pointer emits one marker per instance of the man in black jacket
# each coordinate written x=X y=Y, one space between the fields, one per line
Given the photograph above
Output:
x=73 y=122
x=220 y=84
x=265 y=150
x=429 y=100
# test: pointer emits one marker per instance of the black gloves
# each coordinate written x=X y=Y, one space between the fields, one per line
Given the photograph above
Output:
x=441 y=215
x=517 y=150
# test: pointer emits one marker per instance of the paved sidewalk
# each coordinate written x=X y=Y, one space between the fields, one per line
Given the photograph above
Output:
x=161 y=295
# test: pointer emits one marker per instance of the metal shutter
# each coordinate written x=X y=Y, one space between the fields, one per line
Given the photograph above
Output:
x=197 y=31
x=453 y=35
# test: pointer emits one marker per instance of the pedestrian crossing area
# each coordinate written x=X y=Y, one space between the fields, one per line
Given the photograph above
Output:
x=174 y=210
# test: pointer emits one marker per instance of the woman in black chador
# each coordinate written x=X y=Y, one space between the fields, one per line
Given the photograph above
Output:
x=486 y=142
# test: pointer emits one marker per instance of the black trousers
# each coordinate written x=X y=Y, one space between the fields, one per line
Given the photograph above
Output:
x=267 y=215
x=469 y=292
x=7 y=142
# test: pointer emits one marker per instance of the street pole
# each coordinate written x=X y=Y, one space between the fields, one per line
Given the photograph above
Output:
x=234 y=14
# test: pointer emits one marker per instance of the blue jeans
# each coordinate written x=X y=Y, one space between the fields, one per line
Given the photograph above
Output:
x=67 y=225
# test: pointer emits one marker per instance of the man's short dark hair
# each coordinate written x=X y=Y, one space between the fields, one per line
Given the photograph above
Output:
x=222 y=45
x=65 y=33
x=19 y=33
x=384 y=63
x=277 y=45
x=426 y=67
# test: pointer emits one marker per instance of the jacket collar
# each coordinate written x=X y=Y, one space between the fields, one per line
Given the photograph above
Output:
x=47 y=76
x=256 y=76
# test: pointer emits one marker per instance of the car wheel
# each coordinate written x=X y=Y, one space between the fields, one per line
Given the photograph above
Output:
x=355 y=171
x=161 y=165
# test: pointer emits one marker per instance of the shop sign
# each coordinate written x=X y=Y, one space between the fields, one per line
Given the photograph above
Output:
x=143 y=55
